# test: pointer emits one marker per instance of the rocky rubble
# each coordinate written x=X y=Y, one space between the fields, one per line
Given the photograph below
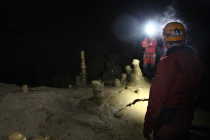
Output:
x=64 y=114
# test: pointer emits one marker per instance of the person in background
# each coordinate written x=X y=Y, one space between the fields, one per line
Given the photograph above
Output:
x=149 y=58
x=171 y=99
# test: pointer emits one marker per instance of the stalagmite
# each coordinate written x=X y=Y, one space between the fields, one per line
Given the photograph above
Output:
x=128 y=70
x=117 y=83
x=123 y=79
x=69 y=86
x=78 y=81
x=98 y=92
x=98 y=88
x=136 y=74
x=16 y=136
x=25 y=88
x=83 y=69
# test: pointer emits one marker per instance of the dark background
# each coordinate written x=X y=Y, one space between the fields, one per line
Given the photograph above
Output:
x=41 y=42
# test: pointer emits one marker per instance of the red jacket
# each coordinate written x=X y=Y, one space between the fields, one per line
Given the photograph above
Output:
x=178 y=74
x=150 y=50
x=149 y=45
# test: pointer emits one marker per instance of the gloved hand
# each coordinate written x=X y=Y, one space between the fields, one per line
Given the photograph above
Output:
x=147 y=133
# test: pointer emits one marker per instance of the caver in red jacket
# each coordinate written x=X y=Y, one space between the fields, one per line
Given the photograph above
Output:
x=171 y=94
x=150 y=50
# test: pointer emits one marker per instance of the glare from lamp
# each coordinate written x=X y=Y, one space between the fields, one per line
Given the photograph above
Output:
x=151 y=29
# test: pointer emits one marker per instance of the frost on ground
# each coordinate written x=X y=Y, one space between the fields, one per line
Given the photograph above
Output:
x=72 y=114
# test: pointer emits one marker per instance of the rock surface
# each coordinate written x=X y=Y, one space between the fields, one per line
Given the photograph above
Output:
x=65 y=114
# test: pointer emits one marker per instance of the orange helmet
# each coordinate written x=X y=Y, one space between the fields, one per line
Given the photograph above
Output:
x=174 y=31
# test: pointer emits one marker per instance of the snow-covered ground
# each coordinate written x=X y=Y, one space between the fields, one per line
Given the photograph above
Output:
x=70 y=114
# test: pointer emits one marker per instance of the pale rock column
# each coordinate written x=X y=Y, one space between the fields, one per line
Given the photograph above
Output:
x=123 y=79
x=128 y=70
x=83 y=69
x=16 y=136
x=117 y=83
x=98 y=88
x=24 y=88
x=136 y=74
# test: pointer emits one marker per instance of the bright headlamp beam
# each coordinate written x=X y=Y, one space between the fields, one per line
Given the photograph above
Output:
x=151 y=29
